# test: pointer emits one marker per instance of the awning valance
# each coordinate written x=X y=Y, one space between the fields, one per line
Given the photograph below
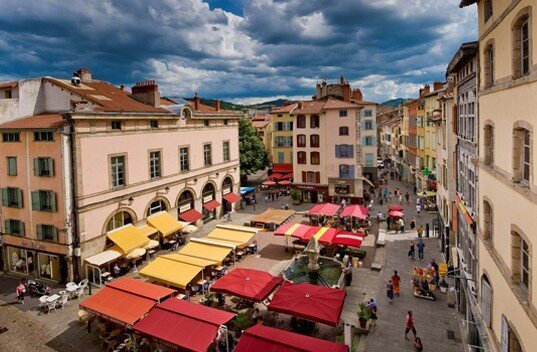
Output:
x=141 y=288
x=211 y=205
x=232 y=197
x=164 y=222
x=171 y=272
x=128 y=238
x=104 y=257
x=202 y=263
x=191 y=215
x=205 y=251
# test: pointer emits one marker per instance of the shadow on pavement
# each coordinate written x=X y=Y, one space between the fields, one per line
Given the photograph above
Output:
x=275 y=252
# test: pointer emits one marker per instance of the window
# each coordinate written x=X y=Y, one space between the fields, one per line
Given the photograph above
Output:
x=488 y=221
x=225 y=122
x=315 y=158
x=283 y=141
x=368 y=125
x=369 y=160
x=14 y=227
x=206 y=123
x=301 y=121
x=342 y=113
x=521 y=156
x=154 y=165
x=301 y=157
x=12 y=197
x=369 y=140
x=368 y=113
x=119 y=219
x=344 y=131
x=346 y=171
x=44 y=201
x=225 y=147
x=525 y=265
x=43 y=136
x=344 y=151
x=116 y=125
x=186 y=201
x=207 y=155
x=489 y=144
x=314 y=141
x=153 y=123
x=301 y=140
x=11 y=166
x=312 y=177
x=156 y=206
x=521 y=47
x=47 y=233
x=489 y=66
x=486 y=300
x=44 y=167
x=11 y=137
x=314 y=121
x=281 y=157
x=117 y=171
x=184 y=162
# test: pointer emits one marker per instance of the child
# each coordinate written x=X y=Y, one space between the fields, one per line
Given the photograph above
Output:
x=20 y=291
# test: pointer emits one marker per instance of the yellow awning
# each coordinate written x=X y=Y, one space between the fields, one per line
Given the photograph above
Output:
x=321 y=232
x=128 y=238
x=202 y=263
x=165 y=223
x=205 y=251
x=292 y=230
x=170 y=272
x=147 y=230
x=241 y=238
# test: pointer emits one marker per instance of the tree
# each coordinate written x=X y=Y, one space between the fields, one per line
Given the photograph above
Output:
x=253 y=155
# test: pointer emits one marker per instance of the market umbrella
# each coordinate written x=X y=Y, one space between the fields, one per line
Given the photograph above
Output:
x=268 y=183
x=189 y=229
x=396 y=214
x=347 y=238
x=250 y=284
x=395 y=207
x=284 y=183
x=137 y=253
x=152 y=244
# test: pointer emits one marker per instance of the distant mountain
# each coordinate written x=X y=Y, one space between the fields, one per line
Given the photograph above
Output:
x=232 y=106
x=269 y=104
x=395 y=102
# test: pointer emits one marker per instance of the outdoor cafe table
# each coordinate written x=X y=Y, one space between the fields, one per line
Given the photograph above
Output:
x=52 y=298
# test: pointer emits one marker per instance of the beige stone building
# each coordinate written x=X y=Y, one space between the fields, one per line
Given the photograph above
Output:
x=507 y=195
x=263 y=125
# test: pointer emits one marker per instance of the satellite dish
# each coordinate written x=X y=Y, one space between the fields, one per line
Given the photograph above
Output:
x=75 y=81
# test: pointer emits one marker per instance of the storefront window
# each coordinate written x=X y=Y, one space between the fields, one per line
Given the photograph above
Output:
x=49 y=267
x=343 y=189
x=20 y=260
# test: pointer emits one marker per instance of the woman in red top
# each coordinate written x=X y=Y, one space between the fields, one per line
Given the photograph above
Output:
x=396 y=279
x=21 y=290
x=410 y=325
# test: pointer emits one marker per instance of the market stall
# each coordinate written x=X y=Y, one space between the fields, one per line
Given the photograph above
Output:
x=272 y=216
x=250 y=284
x=240 y=235
x=166 y=224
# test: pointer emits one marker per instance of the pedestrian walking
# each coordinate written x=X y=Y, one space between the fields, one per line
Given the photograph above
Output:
x=372 y=306
x=418 y=209
x=401 y=224
x=253 y=203
x=412 y=250
x=420 y=231
x=348 y=276
x=413 y=224
x=410 y=325
x=401 y=199
x=389 y=291
x=20 y=291
x=396 y=280
x=421 y=248
x=418 y=346
x=407 y=197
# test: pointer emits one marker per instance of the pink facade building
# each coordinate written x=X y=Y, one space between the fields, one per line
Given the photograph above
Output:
x=117 y=158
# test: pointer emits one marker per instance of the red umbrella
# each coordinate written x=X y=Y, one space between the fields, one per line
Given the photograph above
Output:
x=396 y=214
x=284 y=183
x=268 y=183
x=250 y=284
x=395 y=207
x=310 y=302
x=356 y=211
x=346 y=238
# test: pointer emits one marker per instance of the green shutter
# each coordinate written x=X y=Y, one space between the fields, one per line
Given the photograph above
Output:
x=54 y=233
x=51 y=166
x=36 y=201
x=39 y=229
x=5 y=197
x=37 y=171
x=19 y=198
x=22 y=228
x=53 y=201
x=7 y=225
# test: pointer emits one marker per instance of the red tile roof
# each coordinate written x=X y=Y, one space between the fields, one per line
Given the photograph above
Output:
x=210 y=110
x=166 y=101
x=260 y=123
x=35 y=122
x=317 y=106
x=107 y=96
x=283 y=109
x=363 y=102
x=11 y=84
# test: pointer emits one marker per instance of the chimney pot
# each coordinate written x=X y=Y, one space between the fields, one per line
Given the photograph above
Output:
x=217 y=105
x=437 y=85
x=146 y=92
x=196 y=101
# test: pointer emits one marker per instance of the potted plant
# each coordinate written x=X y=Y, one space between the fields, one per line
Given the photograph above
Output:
x=208 y=299
x=295 y=196
x=363 y=316
x=242 y=322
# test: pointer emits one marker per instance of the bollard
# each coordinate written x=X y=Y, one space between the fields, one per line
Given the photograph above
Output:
x=427 y=230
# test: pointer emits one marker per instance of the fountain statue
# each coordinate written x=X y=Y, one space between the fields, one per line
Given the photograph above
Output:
x=312 y=250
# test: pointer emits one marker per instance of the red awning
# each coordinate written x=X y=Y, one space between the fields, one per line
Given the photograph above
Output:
x=346 y=238
x=264 y=338
x=141 y=288
x=356 y=211
x=395 y=207
x=396 y=214
x=232 y=197
x=328 y=209
x=282 y=168
x=275 y=176
x=284 y=183
x=191 y=215
x=329 y=235
x=268 y=183
x=315 y=210
x=310 y=302
x=311 y=231
x=250 y=284
x=280 y=231
x=287 y=176
x=119 y=306
x=211 y=205
x=190 y=326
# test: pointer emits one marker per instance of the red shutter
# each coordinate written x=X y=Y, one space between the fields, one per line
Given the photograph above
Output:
x=317 y=177
x=303 y=176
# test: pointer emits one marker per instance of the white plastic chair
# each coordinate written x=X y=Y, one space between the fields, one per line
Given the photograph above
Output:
x=81 y=288
x=52 y=305
x=70 y=284
x=43 y=302
x=64 y=300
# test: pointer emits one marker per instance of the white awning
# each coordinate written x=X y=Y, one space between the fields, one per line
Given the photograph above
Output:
x=104 y=257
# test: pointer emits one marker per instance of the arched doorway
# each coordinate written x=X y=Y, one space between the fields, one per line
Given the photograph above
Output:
x=210 y=204
x=155 y=206
x=227 y=188
x=185 y=201
x=120 y=218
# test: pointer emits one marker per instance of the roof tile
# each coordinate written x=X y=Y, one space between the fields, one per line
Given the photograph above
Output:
x=35 y=122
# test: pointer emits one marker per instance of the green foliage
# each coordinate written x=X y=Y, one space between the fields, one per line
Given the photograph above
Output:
x=253 y=155
x=242 y=321
x=361 y=254
x=295 y=194
x=209 y=299
x=364 y=312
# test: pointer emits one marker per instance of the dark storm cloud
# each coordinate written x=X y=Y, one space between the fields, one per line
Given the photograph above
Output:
x=262 y=48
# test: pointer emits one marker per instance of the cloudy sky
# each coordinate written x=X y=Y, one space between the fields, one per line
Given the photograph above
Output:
x=240 y=50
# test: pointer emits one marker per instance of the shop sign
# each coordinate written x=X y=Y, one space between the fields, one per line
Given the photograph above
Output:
x=32 y=245
x=207 y=198
x=226 y=191
x=184 y=208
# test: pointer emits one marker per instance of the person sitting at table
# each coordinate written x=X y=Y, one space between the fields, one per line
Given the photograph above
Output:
x=117 y=270
x=220 y=299
x=254 y=248
x=207 y=283
x=187 y=296
x=256 y=316
x=212 y=272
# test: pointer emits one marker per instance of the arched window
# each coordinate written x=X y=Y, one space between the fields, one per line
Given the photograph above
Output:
x=185 y=201
x=119 y=219
x=489 y=65
x=521 y=155
x=488 y=222
x=227 y=185
x=156 y=206
x=521 y=46
x=489 y=144
x=208 y=192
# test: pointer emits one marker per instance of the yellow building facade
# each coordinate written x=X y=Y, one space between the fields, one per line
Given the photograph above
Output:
x=421 y=179
x=507 y=198
x=282 y=135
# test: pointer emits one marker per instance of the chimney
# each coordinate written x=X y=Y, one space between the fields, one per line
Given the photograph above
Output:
x=146 y=92
x=300 y=105
x=318 y=91
x=217 y=105
x=341 y=79
x=196 y=101
x=85 y=75
x=426 y=89
x=347 y=92
x=357 y=94
x=437 y=85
